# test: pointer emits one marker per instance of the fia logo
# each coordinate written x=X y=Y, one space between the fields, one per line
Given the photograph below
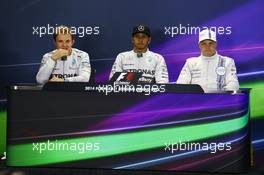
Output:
x=121 y=76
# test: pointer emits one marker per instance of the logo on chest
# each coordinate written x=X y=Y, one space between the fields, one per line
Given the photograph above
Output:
x=73 y=64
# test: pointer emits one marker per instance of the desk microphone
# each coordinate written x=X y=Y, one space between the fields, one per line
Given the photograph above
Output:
x=64 y=58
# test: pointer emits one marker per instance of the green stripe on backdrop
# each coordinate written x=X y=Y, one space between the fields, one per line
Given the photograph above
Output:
x=116 y=144
x=2 y=132
x=256 y=98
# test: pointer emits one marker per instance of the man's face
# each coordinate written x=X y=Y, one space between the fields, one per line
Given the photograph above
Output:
x=64 y=41
x=140 y=41
x=207 y=47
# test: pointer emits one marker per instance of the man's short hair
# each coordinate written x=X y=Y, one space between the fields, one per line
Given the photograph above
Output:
x=62 y=30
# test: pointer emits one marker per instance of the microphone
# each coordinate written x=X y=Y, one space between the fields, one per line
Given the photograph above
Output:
x=139 y=55
x=64 y=58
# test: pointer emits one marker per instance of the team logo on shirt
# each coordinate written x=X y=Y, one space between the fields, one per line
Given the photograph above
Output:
x=141 y=28
x=73 y=64
x=145 y=71
x=149 y=59
x=221 y=70
x=63 y=75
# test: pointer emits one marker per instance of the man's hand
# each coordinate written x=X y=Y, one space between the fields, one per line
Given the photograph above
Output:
x=56 y=79
x=59 y=53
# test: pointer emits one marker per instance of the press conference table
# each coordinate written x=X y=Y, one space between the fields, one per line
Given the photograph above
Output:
x=165 y=127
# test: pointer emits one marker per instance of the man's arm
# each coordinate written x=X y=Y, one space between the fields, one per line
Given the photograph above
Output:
x=117 y=66
x=84 y=71
x=161 y=72
x=46 y=68
x=48 y=63
x=232 y=83
x=185 y=75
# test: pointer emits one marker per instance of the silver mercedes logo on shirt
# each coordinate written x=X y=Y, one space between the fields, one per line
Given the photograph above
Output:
x=141 y=28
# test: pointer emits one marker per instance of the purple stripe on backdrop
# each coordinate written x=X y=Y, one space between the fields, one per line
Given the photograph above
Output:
x=149 y=111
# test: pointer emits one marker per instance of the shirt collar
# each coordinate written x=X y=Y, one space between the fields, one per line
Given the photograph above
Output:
x=215 y=56
x=144 y=54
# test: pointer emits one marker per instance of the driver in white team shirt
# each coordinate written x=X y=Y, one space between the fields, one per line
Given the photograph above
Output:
x=141 y=59
x=213 y=72
x=64 y=64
